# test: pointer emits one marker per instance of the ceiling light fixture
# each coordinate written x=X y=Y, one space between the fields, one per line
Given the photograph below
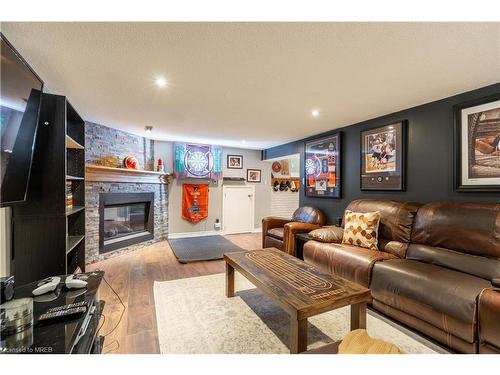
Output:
x=243 y=141
x=315 y=113
x=149 y=129
x=161 y=82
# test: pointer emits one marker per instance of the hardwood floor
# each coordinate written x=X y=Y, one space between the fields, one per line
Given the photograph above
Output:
x=132 y=276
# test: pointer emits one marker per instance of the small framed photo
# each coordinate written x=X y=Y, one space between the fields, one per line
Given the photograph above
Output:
x=254 y=175
x=383 y=154
x=477 y=145
x=235 y=161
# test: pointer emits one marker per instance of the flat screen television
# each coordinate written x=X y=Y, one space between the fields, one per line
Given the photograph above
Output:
x=20 y=99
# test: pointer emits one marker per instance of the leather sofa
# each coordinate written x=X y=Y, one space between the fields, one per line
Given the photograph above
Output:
x=356 y=263
x=435 y=271
x=280 y=233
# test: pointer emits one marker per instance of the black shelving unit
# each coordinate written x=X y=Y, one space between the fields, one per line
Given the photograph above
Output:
x=49 y=238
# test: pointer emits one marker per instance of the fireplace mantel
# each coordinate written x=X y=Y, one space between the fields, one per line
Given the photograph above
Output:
x=98 y=173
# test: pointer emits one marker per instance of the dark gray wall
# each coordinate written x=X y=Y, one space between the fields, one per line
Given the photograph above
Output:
x=429 y=156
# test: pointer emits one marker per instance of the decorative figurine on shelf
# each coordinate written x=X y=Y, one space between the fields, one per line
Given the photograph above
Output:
x=159 y=166
x=130 y=163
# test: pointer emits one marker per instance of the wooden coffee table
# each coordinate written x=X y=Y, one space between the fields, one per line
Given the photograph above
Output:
x=300 y=289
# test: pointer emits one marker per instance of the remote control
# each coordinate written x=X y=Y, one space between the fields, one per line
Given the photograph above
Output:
x=62 y=313
x=66 y=307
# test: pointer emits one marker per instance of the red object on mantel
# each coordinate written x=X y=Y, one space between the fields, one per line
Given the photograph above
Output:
x=131 y=163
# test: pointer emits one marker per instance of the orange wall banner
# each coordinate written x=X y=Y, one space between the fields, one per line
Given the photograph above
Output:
x=194 y=202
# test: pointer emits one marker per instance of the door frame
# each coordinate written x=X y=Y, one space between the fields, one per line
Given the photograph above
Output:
x=224 y=189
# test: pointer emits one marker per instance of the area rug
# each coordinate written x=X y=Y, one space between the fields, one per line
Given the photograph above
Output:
x=201 y=248
x=194 y=316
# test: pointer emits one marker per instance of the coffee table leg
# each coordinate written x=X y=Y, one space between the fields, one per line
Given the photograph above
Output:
x=358 y=316
x=298 y=335
x=229 y=280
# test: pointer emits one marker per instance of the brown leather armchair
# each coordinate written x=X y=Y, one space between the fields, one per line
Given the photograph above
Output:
x=280 y=233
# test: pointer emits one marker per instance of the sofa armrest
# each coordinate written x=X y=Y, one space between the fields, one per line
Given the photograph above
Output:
x=289 y=232
x=328 y=234
x=271 y=222
x=298 y=227
x=489 y=322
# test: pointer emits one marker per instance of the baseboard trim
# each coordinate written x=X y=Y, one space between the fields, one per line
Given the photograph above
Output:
x=172 y=236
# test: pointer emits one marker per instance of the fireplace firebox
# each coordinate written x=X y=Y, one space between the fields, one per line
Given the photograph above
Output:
x=125 y=219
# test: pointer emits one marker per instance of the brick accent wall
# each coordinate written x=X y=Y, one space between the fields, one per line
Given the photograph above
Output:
x=107 y=146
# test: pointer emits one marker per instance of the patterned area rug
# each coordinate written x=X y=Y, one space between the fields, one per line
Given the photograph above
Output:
x=194 y=316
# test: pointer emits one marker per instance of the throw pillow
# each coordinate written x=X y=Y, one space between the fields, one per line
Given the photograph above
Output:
x=361 y=229
x=327 y=234
x=358 y=342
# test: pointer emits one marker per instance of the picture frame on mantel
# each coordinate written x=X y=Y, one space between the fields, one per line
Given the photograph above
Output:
x=477 y=145
x=323 y=167
x=383 y=157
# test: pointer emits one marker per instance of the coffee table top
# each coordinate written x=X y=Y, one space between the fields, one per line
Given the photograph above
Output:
x=297 y=286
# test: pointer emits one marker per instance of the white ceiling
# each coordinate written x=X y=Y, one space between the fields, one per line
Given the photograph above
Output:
x=254 y=81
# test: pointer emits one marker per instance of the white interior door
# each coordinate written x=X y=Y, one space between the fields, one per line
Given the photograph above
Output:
x=238 y=207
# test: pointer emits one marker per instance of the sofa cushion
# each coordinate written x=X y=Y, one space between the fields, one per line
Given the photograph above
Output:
x=472 y=228
x=449 y=292
x=464 y=330
x=276 y=233
x=483 y=267
x=350 y=262
x=360 y=229
x=396 y=221
x=420 y=325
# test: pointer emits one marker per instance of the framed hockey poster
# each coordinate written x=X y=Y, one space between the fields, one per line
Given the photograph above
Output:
x=323 y=167
x=383 y=154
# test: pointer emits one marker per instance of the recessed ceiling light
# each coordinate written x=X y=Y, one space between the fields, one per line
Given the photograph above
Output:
x=149 y=129
x=315 y=113
x=160 y=81
x=243 y=141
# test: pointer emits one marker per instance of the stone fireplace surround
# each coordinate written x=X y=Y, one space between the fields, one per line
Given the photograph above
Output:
x=106 y=147
x=92 y=191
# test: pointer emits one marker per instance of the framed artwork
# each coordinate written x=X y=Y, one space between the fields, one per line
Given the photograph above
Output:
x=383 y=157
x=254 y=175
x=197 y=161
x=235 y=161
x=323 y=167
x=477 y=145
